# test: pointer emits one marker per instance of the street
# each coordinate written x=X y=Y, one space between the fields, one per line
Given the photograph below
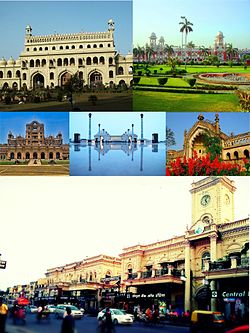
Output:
x=85 y=325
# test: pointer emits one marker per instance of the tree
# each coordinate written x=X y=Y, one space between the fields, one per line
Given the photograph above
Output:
x=212 y=145
x=186 y=28
x=204 y=51
x=75 y=84
x=149 y=52
x=231 y=51
x=170 y=138
x=169 y=50
x=191 y=46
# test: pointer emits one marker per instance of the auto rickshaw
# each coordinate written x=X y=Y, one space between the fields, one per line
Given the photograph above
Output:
x=207 y=322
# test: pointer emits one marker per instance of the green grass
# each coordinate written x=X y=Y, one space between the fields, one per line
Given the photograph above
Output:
x=198 y=69
x=61 y=162
x=164 y=101
x=7 y=162
x=177 y=82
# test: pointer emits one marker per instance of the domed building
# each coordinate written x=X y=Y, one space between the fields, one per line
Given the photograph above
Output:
x=51 y=60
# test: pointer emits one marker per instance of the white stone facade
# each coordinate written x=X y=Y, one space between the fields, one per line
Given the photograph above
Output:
x=52 y=59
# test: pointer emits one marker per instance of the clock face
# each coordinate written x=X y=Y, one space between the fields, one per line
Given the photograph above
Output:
x=205 y=200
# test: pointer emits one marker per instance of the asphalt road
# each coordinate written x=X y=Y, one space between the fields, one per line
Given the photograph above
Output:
x=85 y=325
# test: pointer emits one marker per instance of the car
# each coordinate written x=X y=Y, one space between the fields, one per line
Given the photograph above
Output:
x=60 y=311
x=31 y=309
x=131 y=315
x=240 y=329
x=118 y=317
x=50 y=307
x=203 y=321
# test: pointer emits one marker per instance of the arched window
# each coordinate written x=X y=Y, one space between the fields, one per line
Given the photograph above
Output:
x=73 y=47
x=95 y=60
x=50 y=155
x=31 y=63
x=120 y=71
x=9 y=75
x=111 y=74
x=110 y=61
x=57 y=155
x=72 y=62
x=37 y=63
x=24 y=76
x=53 y=48
x=42 y=156
x=108 y=45
x=80 y=62
x=46 y=48
x=51 y=76
x=43 y=62
x=35 y=49
x=18 y=74
x=80 y=47
x=88 y=61
x=65 y=62
x=40 y=48
x=59 y=62
x=27 y=49
x=81 y=75
x=61 y=47
x=228 y=156
x=88 y=46
x=1 y=74
x=101 y=45
x=246 y=153
x=90 y=276
x=19 y=155
x=67 y=47
x=102 y=60
x=236 y=155
x=94 y=46
x=205 y=256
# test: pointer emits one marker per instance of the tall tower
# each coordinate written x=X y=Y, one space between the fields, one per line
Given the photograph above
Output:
x=142 y=140
x=28 y=31
x=152 y=40
x=89 y=127
x=213 y=200
x=219 y=42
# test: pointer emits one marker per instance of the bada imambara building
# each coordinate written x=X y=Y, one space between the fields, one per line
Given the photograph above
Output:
x=35 y=145
x=234 y=147
x=52 y=60
x=206 y=267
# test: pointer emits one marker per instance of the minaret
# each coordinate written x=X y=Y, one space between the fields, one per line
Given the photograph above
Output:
x=142 y=140
x=89 y=127
x=28 y=31
x=132 y=132
x=217 y=123
x=99 y=132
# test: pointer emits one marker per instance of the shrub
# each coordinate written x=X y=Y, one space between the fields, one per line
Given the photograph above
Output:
x=37 y=99
x=162 y=80
x=155 y=71
x=59 y=96
x=136 y=80
x=7 y=99
x=139 y=73
x=190 y=81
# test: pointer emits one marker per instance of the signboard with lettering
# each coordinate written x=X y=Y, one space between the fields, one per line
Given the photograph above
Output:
x=3 y=264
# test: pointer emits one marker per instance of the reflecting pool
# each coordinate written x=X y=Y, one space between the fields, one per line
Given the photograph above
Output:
x=118 y=159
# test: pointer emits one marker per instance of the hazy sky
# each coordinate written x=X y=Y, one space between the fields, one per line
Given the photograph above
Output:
x=48 y=17
x=15 y=122
x=208 y=17
x=236 y=122
x=51 y=221
x=116 y=123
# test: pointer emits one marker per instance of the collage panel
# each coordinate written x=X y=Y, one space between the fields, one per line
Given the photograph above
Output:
x=117 y=144
x=34 y=144
x=207 y=144
x=196 y=60
x=82 y=61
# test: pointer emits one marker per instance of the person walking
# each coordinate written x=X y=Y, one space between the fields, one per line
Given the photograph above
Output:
x=108 y=321
x=68 y=324
x=3 y=315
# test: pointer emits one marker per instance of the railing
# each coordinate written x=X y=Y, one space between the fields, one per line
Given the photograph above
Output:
x=217 y=265
x=160 y=272
x=244 y=262
x=132 y=276
x=146 y=275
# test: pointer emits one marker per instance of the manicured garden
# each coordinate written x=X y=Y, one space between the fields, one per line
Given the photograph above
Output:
x=178 y=88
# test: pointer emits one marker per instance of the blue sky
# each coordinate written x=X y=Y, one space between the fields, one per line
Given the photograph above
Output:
x=208 y=17
x=16 y=123
x=236 y=122
x=48 y=17
x=116 y=123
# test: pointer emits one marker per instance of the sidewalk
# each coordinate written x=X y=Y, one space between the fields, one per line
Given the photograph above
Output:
x=17 y=329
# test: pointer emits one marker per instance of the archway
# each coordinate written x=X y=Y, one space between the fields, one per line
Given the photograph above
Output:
x=95 y=78
x=19 y=155
x=42 y=156
x=57 y=155
x=38 y=81
x=51 y=156
x=12 y=156
x=246 y=153
x=65 y=78
x=35 y=155
x=27 y=156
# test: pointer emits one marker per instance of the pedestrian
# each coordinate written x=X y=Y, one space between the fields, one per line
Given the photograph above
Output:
x=108 y=323
x=3 y=315
x=68 y=324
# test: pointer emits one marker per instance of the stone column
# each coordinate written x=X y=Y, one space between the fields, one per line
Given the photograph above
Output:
x=213 y=245
x=213 y=287
x=188 y=276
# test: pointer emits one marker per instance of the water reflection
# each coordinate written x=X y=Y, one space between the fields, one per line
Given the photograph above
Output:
x=117 y=159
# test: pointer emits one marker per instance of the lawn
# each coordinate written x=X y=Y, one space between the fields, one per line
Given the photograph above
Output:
x=176 y=82
x=165 y=101
x=46 y=162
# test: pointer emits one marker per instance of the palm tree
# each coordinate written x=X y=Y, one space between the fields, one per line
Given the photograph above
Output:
x=169 y=50
x=149 y=52
x=190 y=46
x=204 y=51
x=186 y=28
x=231 y=51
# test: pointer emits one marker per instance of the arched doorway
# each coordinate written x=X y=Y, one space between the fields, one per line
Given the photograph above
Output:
x=35 y=155
x=27 y=156
x=12 y=156
x=95 y=79
x=42 y=156
x=246 y=153
x=57 y=155
x=38 y=81
x=65 y=78
x=51 y=156
x=19 y=155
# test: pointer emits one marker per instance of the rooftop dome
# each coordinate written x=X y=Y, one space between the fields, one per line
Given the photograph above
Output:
x=3 y=61
x=220 y=34
x=11 y=61
x=153 y=35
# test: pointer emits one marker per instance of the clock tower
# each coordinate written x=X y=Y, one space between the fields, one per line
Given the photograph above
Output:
x=212 y=201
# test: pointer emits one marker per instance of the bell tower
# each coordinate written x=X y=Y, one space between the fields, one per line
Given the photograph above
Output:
x=213 y=200
x=28 y=31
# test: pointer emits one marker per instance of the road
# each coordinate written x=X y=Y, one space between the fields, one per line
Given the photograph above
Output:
x=86 y=325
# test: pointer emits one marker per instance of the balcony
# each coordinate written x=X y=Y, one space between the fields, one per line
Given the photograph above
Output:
x=132 y=276
x=231 y=265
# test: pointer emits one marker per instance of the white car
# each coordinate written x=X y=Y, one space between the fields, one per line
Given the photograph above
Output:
x=31 y=309
x=50 y=308
x=118 y=317
x=60 y=311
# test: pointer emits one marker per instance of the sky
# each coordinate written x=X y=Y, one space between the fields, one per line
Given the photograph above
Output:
x=208 y=18
x=15 y=122
x=236 y=122
x=116 y=123
x=48 y=17
x=47 y=222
